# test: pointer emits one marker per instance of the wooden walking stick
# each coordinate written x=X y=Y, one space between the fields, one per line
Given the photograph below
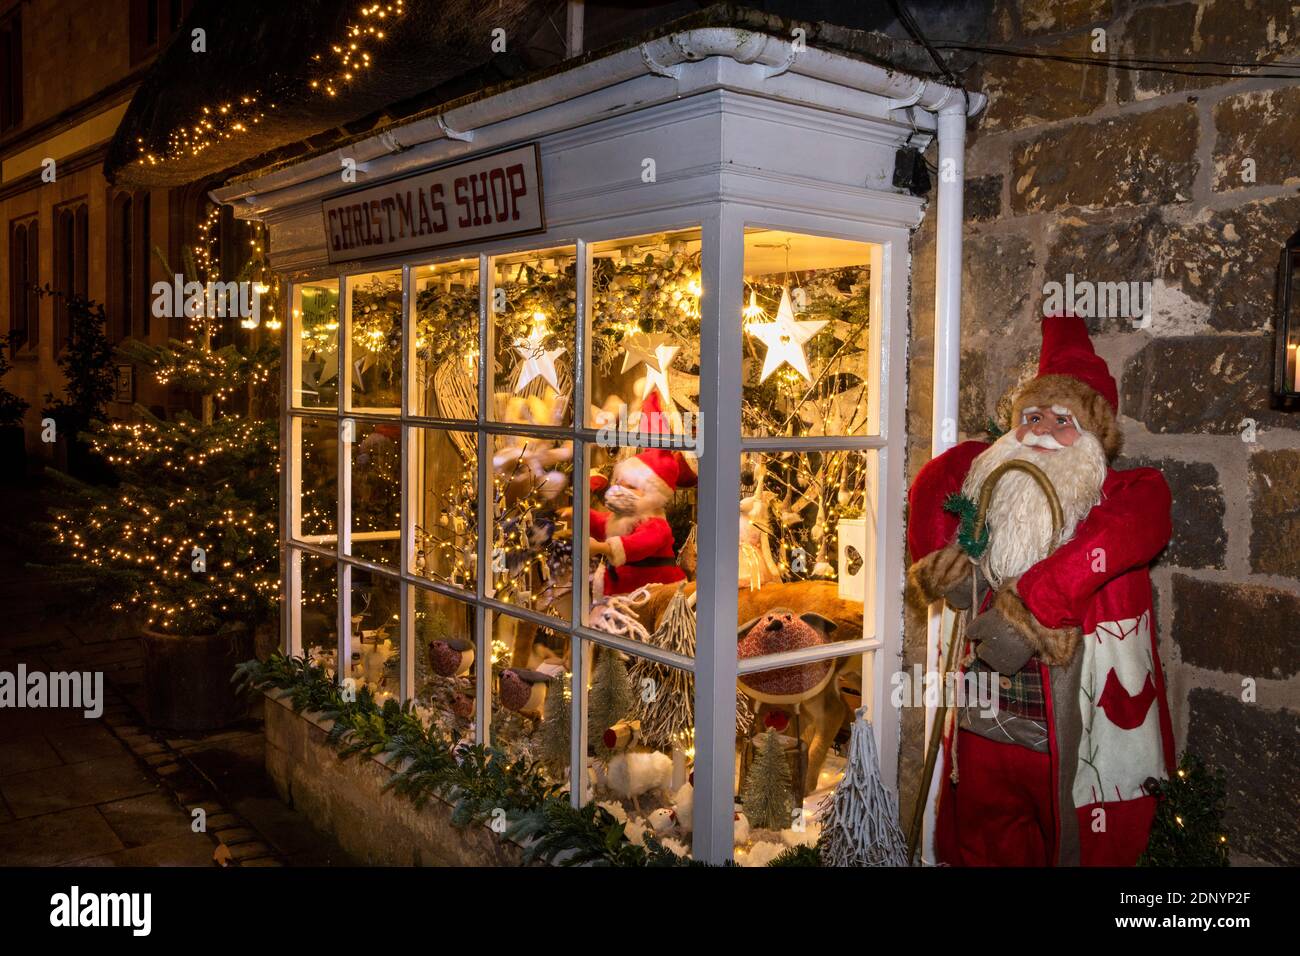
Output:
x=958 y=631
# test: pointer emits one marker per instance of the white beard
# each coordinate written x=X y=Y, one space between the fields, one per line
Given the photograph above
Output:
x=1019 y=518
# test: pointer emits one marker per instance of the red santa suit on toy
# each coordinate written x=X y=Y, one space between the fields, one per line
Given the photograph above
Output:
x=634 y=536
x=1056 y=776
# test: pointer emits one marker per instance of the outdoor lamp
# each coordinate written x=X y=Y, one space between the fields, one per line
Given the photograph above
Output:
x=1286 y=368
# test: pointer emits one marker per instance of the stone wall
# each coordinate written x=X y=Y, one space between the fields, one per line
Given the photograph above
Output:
x=347 y=799
x=1192 y=184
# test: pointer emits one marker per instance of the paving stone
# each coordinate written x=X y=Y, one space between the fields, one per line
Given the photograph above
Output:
x=145 y=819
x=248 y=851
x=88 y=742
x=27 y=753
x=262 y=861
x=192 y=849
x=235 y=835
x=221 y=821
x=73 y=785
x=54 y=838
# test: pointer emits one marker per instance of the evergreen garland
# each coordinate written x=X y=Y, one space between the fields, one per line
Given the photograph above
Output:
x=968 y=512
x=1188 y=825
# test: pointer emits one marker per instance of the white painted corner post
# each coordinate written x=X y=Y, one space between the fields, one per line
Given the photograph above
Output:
x=718 y=532
x=947 y=369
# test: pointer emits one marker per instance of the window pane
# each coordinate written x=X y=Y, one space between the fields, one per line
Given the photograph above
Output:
x=808 y=341
x=806 y=519
x=534 y=300
x=444 y=362
x=641 y=742
x=376 y=492
x=792 y=736
x=446 y=503
x=645 y=328
x=317 y=609
x=317 y=449
x=643 y=530
x=445 y=665
x=316 y=343
x=376 y=649
x=532 y=694
x=532 y=542
x=375 y=314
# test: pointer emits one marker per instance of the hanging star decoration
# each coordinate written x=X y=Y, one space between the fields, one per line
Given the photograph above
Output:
x=785 y=339
x=655 y=352
x=539 y=361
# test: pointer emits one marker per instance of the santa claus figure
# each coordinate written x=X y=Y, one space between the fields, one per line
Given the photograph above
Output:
x=634 y=536
x=1064 y=628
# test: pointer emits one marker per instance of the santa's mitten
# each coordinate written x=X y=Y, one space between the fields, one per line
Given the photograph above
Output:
x=940 y=572
x=1008 y=635
x=970 y=589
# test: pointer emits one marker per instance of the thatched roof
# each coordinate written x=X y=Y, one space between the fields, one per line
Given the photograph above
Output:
x=437 y=52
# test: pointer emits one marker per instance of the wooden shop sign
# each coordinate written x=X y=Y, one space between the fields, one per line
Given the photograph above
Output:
x=488 y=197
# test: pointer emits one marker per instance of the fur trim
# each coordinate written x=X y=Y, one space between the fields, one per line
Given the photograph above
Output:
x=938 y=571
x=617 y=554
x=647 y=474
x=1092 y=410
x=1055 y=646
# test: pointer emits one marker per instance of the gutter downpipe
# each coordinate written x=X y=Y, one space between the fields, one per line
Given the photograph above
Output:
x=947 y=369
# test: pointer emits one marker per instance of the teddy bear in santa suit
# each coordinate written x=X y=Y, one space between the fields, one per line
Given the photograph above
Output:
x=1065 y=629
x=634 y=536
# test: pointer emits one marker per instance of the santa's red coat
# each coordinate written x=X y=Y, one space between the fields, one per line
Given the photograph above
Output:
x=641 y=554
x=1098 y=581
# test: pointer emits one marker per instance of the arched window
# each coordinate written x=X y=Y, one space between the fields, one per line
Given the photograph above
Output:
x=71 y=248
x=130 y=262
x=24 y=317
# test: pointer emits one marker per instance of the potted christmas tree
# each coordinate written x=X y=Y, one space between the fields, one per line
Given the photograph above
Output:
x=185 y=547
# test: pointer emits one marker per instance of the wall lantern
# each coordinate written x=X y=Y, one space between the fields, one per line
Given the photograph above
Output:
x=1286 y=366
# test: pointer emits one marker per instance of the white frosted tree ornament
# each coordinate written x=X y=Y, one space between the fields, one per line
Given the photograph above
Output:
x=860 y=819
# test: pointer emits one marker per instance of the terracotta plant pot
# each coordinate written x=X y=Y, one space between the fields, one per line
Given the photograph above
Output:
x=187 y=679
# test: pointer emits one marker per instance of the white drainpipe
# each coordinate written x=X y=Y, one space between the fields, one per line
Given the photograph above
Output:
x=947 y=368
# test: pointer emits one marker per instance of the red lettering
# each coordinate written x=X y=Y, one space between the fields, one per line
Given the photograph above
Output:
x=332 y=218
x=500 y=198
x=462 y=200
x=479 y=192
x=345 y=223
x=518 y=187
x=376 y=225
x=359 y=220
x=439 y=207
x=389 y=204
x=425 y=224
x=404 y=221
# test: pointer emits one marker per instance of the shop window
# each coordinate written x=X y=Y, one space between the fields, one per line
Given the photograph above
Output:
x=446 y=664
x=11 y=71
x=71 y=249
x=444 y=352
x=532 y=694
x=374 y=490
x=792 y=737
x=444 y=483
x=641 y=740
x=316 y=608
x=315 y=504
x=481 y=494
x=534 y=313
x=24 y=276
x=807 y=336
x=531 y=556
x=374 y=643
x=374 y=341
x=315 y=345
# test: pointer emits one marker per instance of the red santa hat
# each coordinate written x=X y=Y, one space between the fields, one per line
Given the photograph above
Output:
x=1071 y=374
x=662 y=465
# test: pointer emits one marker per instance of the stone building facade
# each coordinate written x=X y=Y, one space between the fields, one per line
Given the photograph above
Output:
x=1190 y=183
